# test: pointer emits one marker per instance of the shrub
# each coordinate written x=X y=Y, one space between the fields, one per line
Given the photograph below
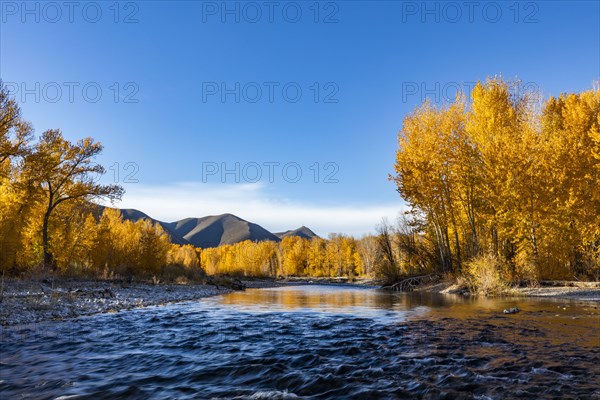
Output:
x=483 y=276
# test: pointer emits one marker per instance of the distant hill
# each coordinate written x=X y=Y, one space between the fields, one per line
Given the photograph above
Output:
x=215 y=230
x=302 y=232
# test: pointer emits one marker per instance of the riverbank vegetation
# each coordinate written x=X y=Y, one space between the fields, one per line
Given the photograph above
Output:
x=501 y=188
x=499 y=191
x=49 y=223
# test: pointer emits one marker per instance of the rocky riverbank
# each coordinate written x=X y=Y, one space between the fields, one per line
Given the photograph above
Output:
x=573 y=290
x=28 y=301
x=584 y=291
x=32 y=301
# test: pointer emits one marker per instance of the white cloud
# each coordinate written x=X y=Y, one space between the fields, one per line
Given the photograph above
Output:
x=252 y=202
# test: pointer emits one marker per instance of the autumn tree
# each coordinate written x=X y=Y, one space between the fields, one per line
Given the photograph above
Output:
x=15 y=132
x=495 y=182
x=186 y=256
x=430 y=170
x=367 y=250
x=16 y=200
x=570 y=131
x=317 y=257
x=153 y=247
x=501 y=125
x=295 y=260
x=66 y=172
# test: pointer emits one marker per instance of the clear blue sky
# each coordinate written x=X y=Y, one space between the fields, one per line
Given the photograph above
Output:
x=161 y=67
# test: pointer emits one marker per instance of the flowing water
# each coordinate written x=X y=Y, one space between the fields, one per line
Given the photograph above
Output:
x=312 y=342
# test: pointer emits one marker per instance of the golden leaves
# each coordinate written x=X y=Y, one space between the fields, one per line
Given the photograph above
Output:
x=496 y=176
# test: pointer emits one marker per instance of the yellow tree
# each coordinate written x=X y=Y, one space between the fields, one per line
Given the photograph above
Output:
x=335 y=265
x=103 y=253
x=72 y=236
x=317 y=257
x=430 y=167
x=15 y=132
x=66 y=172
x=268 y=257
x=16 y=200
x=570 y=126
x=153 y=247
x=210 y=260
x=349 y=256
x=185 y=255
x=294 y=255
x=368 y=252
x=502 y=127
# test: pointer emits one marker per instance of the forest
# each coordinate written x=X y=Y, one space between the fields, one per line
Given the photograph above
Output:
x=500 y=188
x=503 y=185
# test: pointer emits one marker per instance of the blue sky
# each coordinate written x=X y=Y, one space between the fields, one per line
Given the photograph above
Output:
x=178 y=90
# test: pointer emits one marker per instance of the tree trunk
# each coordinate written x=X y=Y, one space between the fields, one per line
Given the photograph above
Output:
x=48 y=259
x=448 y=262
x=495 y=248
x=458 y=255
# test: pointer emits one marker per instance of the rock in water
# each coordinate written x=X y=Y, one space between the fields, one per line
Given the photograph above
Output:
x=513 y=310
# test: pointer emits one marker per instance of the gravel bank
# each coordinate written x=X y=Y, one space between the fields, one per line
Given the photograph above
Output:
x=580 y=291
x=31 y=301
x=26 y=302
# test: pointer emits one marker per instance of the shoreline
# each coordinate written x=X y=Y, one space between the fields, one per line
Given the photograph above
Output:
x=30 y=301
x=567 y=290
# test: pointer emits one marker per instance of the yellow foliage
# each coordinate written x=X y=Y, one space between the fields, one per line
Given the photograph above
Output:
x=484 y=276
x=495 y=176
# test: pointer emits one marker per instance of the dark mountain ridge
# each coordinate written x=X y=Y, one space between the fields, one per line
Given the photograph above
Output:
x=215 y=230
x=302 y=232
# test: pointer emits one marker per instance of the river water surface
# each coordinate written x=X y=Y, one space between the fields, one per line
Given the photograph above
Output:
x=312 y=342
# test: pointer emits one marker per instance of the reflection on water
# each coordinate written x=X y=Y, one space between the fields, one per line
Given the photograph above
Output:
x=312 y=342
x=563 y=320
x=329 y=299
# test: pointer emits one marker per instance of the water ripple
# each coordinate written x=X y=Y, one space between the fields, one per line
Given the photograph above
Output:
x=211 y=349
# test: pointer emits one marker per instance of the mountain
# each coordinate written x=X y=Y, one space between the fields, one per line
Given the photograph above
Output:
x=217 y=230
x=212 y=231
x=302 y=232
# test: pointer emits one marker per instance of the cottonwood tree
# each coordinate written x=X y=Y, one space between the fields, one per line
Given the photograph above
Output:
x=495 y=179
x=66 y=172
x=430 y=172
x=571 y=132
x=368 y=252
x=15 y=201
x=15 y=132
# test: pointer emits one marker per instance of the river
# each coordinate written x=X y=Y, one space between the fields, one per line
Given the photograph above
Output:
x=312 y=342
